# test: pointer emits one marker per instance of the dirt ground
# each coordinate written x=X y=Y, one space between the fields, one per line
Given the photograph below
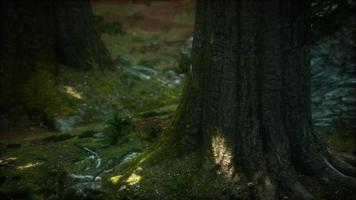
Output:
x=155 y=16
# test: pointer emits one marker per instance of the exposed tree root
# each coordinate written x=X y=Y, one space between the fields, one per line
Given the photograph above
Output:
x=328 y=180
x=342 y=166
x=334 y=173
x=299 y=191
x=345 y=158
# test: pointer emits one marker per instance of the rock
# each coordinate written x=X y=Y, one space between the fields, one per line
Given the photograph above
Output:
x=166 y=78
x=87 y=190
x=130 y=73
x=99 y=135
x=140 y=72
x=84 y=178
x=129 y=157
x=185 y=59
x=122 y=61
x=171 y=78
x=145 y=70
x=66 y=124
x=88 y=185
x=333 y=82
x=171 y=74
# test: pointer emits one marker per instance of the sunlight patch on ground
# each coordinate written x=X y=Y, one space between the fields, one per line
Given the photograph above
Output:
x=133 y=179
x=72 y=92
x=115 y=179
x=6 y=160
x=222 y=155
x=28 y=165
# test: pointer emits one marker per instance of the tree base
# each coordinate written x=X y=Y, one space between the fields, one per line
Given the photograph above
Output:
x=193 y=176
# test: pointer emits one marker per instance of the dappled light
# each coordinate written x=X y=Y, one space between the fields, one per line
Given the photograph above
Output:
x=72 y=92
x=133 y=179
x=222 y=155
x=115 y=179
x=28 y=165
x=6 y=160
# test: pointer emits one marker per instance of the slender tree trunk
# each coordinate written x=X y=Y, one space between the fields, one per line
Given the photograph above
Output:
x=246 y=102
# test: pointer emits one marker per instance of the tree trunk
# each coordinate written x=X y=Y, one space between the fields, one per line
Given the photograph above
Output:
x=246 y=102
x=27 y=44
x=78 y=43
x=37 y=35
x=62 y=30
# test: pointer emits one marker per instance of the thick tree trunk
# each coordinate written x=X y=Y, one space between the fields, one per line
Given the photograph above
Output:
x=37 y=35
x=78 y=43
x=27 y=42
x=62 y=30
x=246 y=102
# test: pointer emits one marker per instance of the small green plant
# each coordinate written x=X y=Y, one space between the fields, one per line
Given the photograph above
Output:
x=40 y=95
x=118 y=126
x=153 y=131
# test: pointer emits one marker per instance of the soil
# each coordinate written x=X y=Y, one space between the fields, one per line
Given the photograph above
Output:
x=155 y=17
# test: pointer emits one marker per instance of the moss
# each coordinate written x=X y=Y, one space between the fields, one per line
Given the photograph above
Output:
x=341 y=142
x=177 y=178
x=40 y=93
x=149 y=176
x=145 y=48
x=43 y=168
x=118 y=126
x=30 y=99
x=159 y=112
x=58 y=138
x=101 y=97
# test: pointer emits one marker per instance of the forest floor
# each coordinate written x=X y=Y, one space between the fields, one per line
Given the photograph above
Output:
x=78 y=159
x=109 y=118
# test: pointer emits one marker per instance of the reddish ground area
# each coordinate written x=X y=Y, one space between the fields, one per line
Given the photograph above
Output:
x=155 y=16
x=23 y=135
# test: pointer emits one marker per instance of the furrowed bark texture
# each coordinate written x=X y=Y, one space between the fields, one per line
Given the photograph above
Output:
x=247 y=99
x=35 y=37
x=78 y=42
x=61 y=30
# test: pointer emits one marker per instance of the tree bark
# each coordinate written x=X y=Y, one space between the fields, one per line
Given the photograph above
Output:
x=78 y=43
x=62 y=30
x=246 y=102
x=36 y=36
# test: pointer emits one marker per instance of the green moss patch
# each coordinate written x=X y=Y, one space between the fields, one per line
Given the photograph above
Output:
x=341 y=142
